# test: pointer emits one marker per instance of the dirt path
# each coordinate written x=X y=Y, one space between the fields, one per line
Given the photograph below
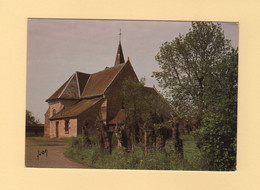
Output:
x=52 y=155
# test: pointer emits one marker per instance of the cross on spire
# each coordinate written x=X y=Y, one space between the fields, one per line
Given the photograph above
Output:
x=120 y=35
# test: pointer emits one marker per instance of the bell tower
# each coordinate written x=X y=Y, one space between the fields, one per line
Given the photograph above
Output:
x=119 y=55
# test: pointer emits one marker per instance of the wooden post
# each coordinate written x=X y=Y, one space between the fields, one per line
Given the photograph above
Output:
x=107 y=138
x=85 y=137
x=177 y=142
x=145 y=143
x=118 y=133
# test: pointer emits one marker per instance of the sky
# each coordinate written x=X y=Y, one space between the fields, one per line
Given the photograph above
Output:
x=57 y=48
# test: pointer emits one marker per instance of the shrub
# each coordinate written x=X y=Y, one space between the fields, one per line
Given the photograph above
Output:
x=165 y=160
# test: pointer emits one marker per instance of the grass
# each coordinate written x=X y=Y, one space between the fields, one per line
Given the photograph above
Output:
x=191 y=153
x=48 y=140
x=95 y=158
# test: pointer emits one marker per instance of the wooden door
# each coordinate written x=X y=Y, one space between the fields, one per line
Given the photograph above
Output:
x=57 y=129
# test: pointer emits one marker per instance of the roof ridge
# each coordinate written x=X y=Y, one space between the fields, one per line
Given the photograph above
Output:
x=66 y=85
x=121 y=65
x=77 y=78
x=148 y=87
x=85 y=85
x=82 y=72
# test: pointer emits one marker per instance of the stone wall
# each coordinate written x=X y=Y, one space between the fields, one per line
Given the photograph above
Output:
x=72 y=130
x=57 y=106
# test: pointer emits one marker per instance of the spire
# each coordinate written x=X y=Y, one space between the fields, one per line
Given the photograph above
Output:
x=119 y=55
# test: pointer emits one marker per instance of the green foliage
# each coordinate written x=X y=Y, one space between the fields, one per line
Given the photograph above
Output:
x=75 y=142
x=30 y=119
x=217 y=136
x=94 y=158
x=188 y=63
x=142 y=109
x=137 y=108
x=217 y=140
x=199 y=75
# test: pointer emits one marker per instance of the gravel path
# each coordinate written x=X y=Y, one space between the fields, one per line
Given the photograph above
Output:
x=41 y=154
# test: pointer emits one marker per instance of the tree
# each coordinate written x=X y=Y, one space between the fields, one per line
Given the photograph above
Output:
x=30 y=119
x=199 y=76
x=217 y=136
x=188 y=62
x=147 y=116
x=137 y=108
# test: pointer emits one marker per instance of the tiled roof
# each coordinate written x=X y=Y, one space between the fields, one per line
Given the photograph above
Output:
x=167 y=106
x=72 y=88
x=76 y=109
x=58 y=92
x=149 y=90
x=121 y=115
x=82 y=78
x=99 y=82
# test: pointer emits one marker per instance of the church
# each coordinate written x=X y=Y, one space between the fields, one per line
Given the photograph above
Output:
x=85 y=98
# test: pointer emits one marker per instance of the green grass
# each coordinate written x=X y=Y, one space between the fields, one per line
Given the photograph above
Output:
x=48 y=140
x=191 y=153
x=95 y=158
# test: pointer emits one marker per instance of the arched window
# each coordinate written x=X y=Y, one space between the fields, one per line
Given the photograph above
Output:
x=53 y=112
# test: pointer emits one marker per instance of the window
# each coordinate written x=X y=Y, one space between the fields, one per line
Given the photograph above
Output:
x=66 y=126
x=53 y=112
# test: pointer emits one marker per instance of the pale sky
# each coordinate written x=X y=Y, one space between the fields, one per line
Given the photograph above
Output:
x=57 y=48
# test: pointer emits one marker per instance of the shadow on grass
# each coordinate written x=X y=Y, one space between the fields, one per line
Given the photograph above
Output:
x=48 y=140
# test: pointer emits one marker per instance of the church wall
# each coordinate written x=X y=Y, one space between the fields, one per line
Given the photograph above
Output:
x=91 y=116
x=57 y=106
x=114 y=92
x=72 y=129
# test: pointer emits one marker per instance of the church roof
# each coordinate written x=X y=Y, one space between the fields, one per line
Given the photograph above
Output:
x=161 y=99
x=72 y=88
x=100 y=81
x=120 y=117
x=76 y=109
x=82 y=85
x=149 y=90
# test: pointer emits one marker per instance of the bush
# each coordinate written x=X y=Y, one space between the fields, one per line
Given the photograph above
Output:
x=94 y=158
x=75 y=142
x=217 y=140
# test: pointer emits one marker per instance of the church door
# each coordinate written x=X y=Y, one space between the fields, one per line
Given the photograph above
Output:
x=57 y=129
